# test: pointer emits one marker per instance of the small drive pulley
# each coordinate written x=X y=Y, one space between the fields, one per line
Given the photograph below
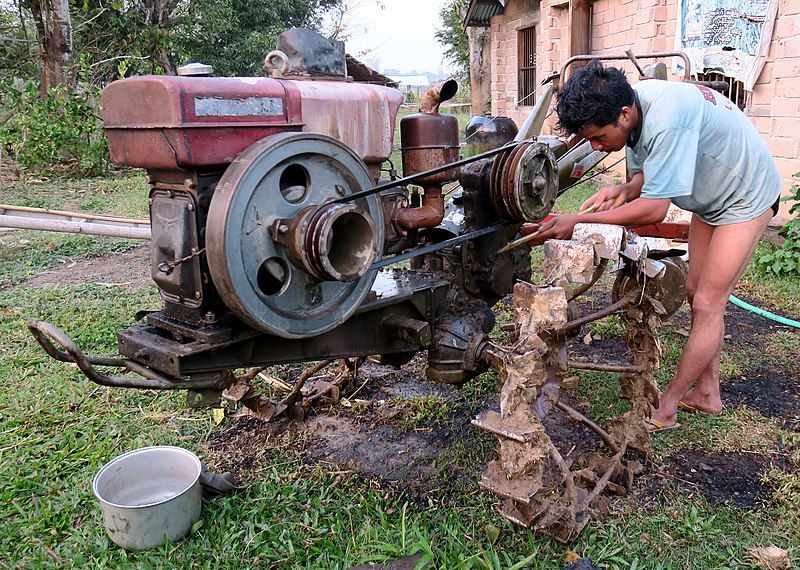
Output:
x=524 y=182
x=285 y=258
x=669 y=289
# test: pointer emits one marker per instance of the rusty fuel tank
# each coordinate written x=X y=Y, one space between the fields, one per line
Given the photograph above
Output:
x=172 y=123
x=203 y=123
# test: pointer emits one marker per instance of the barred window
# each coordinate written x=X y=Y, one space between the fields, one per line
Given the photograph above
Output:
x=526 y=65
x=735 y=93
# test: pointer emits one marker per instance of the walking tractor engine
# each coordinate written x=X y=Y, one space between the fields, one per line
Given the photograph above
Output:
x=275 y=239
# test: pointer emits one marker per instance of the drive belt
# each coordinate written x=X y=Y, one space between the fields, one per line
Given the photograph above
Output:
x=421 y=175
x=440 y=245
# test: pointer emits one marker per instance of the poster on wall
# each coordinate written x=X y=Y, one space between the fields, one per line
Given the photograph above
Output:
x=731 y=37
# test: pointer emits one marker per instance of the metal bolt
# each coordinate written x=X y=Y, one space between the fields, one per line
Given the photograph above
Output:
x=150 y=201
x=197 y=294
x=283 y=228
x=190 y=207
x=210 y=317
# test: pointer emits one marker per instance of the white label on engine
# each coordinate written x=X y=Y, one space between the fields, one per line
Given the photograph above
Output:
x=251 y=106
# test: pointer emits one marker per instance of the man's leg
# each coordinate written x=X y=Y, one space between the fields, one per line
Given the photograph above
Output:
x=705 y=396
x=729 y=250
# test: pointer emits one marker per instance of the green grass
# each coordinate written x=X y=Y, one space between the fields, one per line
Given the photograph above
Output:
x=124 y=194
x=24 y=253
x=780 y=295
x=57 y=429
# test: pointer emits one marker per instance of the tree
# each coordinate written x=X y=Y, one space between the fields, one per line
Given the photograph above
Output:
x=17 y=57
x=346 y=17
x=114 y=38
x=234 y=35
x=452 y=35
x=54 y=35
x=469 y=50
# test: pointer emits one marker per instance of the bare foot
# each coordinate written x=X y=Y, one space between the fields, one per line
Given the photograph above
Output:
x=705 y=403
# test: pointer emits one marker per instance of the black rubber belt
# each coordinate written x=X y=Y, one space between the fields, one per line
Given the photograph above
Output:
x=440 y=245
x=425 y=174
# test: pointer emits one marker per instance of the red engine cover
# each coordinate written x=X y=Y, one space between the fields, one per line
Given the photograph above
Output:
x=194 y=123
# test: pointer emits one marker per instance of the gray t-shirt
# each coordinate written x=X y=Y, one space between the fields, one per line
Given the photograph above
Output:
x=698 y=148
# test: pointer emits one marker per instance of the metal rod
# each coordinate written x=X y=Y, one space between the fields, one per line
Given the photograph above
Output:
x=21 y=217
x=603 y=482
x=43 y=332
x=532 y=127
x=687 y=66
x=10 y=210
x=610 y=310
x=74 y=227
x=581 y=289
x=576 y=415
x=601 y=367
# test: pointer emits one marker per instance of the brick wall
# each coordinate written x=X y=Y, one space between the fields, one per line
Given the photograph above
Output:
x=649 y=25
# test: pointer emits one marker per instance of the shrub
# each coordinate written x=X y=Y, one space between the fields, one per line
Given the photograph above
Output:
x=785 y=260
x=57 y=134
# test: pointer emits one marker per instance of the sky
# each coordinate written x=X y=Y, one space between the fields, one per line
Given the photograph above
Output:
x=399 y=36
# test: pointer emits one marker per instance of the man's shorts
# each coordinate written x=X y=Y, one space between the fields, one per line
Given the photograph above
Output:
x=776 y=206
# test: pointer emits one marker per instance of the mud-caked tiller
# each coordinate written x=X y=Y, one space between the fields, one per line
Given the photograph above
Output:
x=277 y=230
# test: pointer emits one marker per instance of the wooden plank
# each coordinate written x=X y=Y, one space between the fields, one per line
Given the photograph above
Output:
x=579 y=27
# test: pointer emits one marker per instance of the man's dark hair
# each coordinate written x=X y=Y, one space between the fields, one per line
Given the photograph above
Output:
x=593 y=95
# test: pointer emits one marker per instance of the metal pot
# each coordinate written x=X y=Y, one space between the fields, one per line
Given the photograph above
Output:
x=149 y=495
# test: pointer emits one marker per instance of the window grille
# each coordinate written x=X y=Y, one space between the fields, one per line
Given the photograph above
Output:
x=526 y=65
x=735 y=93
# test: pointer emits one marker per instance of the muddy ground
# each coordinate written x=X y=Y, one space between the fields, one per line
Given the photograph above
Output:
x=446 y=458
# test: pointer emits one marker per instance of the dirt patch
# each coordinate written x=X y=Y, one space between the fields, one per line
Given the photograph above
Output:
x=422 y=460
x=407 y=382
x=773 y=393
x=381 y=451
x=129 y=270
x=734 y=478
x=601 y=349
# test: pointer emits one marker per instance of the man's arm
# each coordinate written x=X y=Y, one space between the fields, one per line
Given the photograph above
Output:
x=639 y=212
x=612 y=197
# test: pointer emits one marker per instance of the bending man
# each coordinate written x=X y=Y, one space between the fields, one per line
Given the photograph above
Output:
x=690 y=146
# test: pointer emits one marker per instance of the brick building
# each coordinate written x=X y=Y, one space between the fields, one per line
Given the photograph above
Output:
x=532 y=39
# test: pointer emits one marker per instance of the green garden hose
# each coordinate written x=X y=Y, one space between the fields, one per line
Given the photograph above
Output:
x=761 y=312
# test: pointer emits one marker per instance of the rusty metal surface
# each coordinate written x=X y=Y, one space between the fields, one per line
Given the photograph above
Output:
x=429 y=141
x=410 y=295
x=543 y=490
x=335 y=242
x=524 y=182
x=359 y=115
x=175 y=123
x=436 y=94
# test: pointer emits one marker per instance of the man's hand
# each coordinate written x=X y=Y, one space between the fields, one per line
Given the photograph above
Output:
x=607 y=198
x=559 y=227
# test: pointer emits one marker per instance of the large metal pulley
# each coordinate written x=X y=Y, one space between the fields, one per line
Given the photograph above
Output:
x=524 y=182
x=284 y=259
